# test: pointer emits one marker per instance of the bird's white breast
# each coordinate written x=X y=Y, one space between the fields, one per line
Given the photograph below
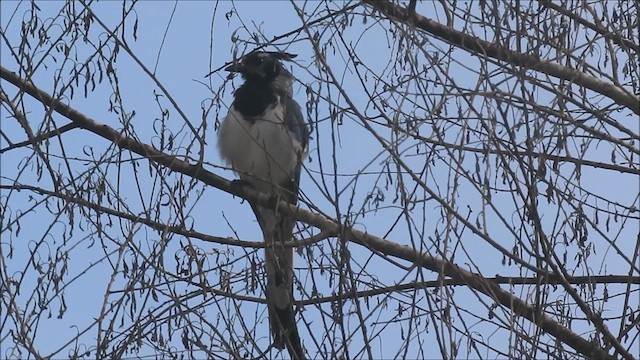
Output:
x=262 y=149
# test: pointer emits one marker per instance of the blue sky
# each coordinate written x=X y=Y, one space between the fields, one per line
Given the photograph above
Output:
x=180 y=43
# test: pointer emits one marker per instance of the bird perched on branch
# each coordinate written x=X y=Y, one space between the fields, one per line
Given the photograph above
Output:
x=264 y=138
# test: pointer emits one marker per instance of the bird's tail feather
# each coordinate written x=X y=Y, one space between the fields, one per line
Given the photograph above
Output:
x=277 y=228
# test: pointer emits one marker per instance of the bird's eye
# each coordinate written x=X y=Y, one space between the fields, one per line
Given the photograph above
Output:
x=254 y=61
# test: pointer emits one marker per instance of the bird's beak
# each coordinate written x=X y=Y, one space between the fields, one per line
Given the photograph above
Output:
x=237 y=67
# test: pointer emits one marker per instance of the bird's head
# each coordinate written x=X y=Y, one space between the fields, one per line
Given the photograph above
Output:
x=262 y=66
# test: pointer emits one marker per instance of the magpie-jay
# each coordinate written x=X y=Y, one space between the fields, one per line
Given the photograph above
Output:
x=264 y=138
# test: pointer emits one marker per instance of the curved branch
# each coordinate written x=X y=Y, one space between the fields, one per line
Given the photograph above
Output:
x=162 y=227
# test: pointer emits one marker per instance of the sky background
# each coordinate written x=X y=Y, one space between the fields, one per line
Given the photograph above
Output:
x=183 y=42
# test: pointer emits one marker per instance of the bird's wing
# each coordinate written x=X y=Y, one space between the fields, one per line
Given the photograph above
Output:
x=297 y=127
x=294 y=121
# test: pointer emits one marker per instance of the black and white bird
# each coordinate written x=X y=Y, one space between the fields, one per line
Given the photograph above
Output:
x=264 y=138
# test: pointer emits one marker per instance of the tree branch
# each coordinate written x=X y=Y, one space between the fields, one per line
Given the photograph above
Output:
x=475 y=45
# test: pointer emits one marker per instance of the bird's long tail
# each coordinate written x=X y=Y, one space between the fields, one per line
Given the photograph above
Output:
x=277 y=229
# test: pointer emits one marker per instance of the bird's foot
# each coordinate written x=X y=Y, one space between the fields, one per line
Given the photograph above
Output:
x=274 y=199
x=238 y=187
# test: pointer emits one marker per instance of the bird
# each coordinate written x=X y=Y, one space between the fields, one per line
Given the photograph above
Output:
x=264 y=138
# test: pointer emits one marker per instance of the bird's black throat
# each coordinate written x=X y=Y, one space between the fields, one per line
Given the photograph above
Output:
x=253 y=98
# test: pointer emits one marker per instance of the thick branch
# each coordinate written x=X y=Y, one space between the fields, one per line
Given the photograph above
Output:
x=616 y=38
x=484 y=48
